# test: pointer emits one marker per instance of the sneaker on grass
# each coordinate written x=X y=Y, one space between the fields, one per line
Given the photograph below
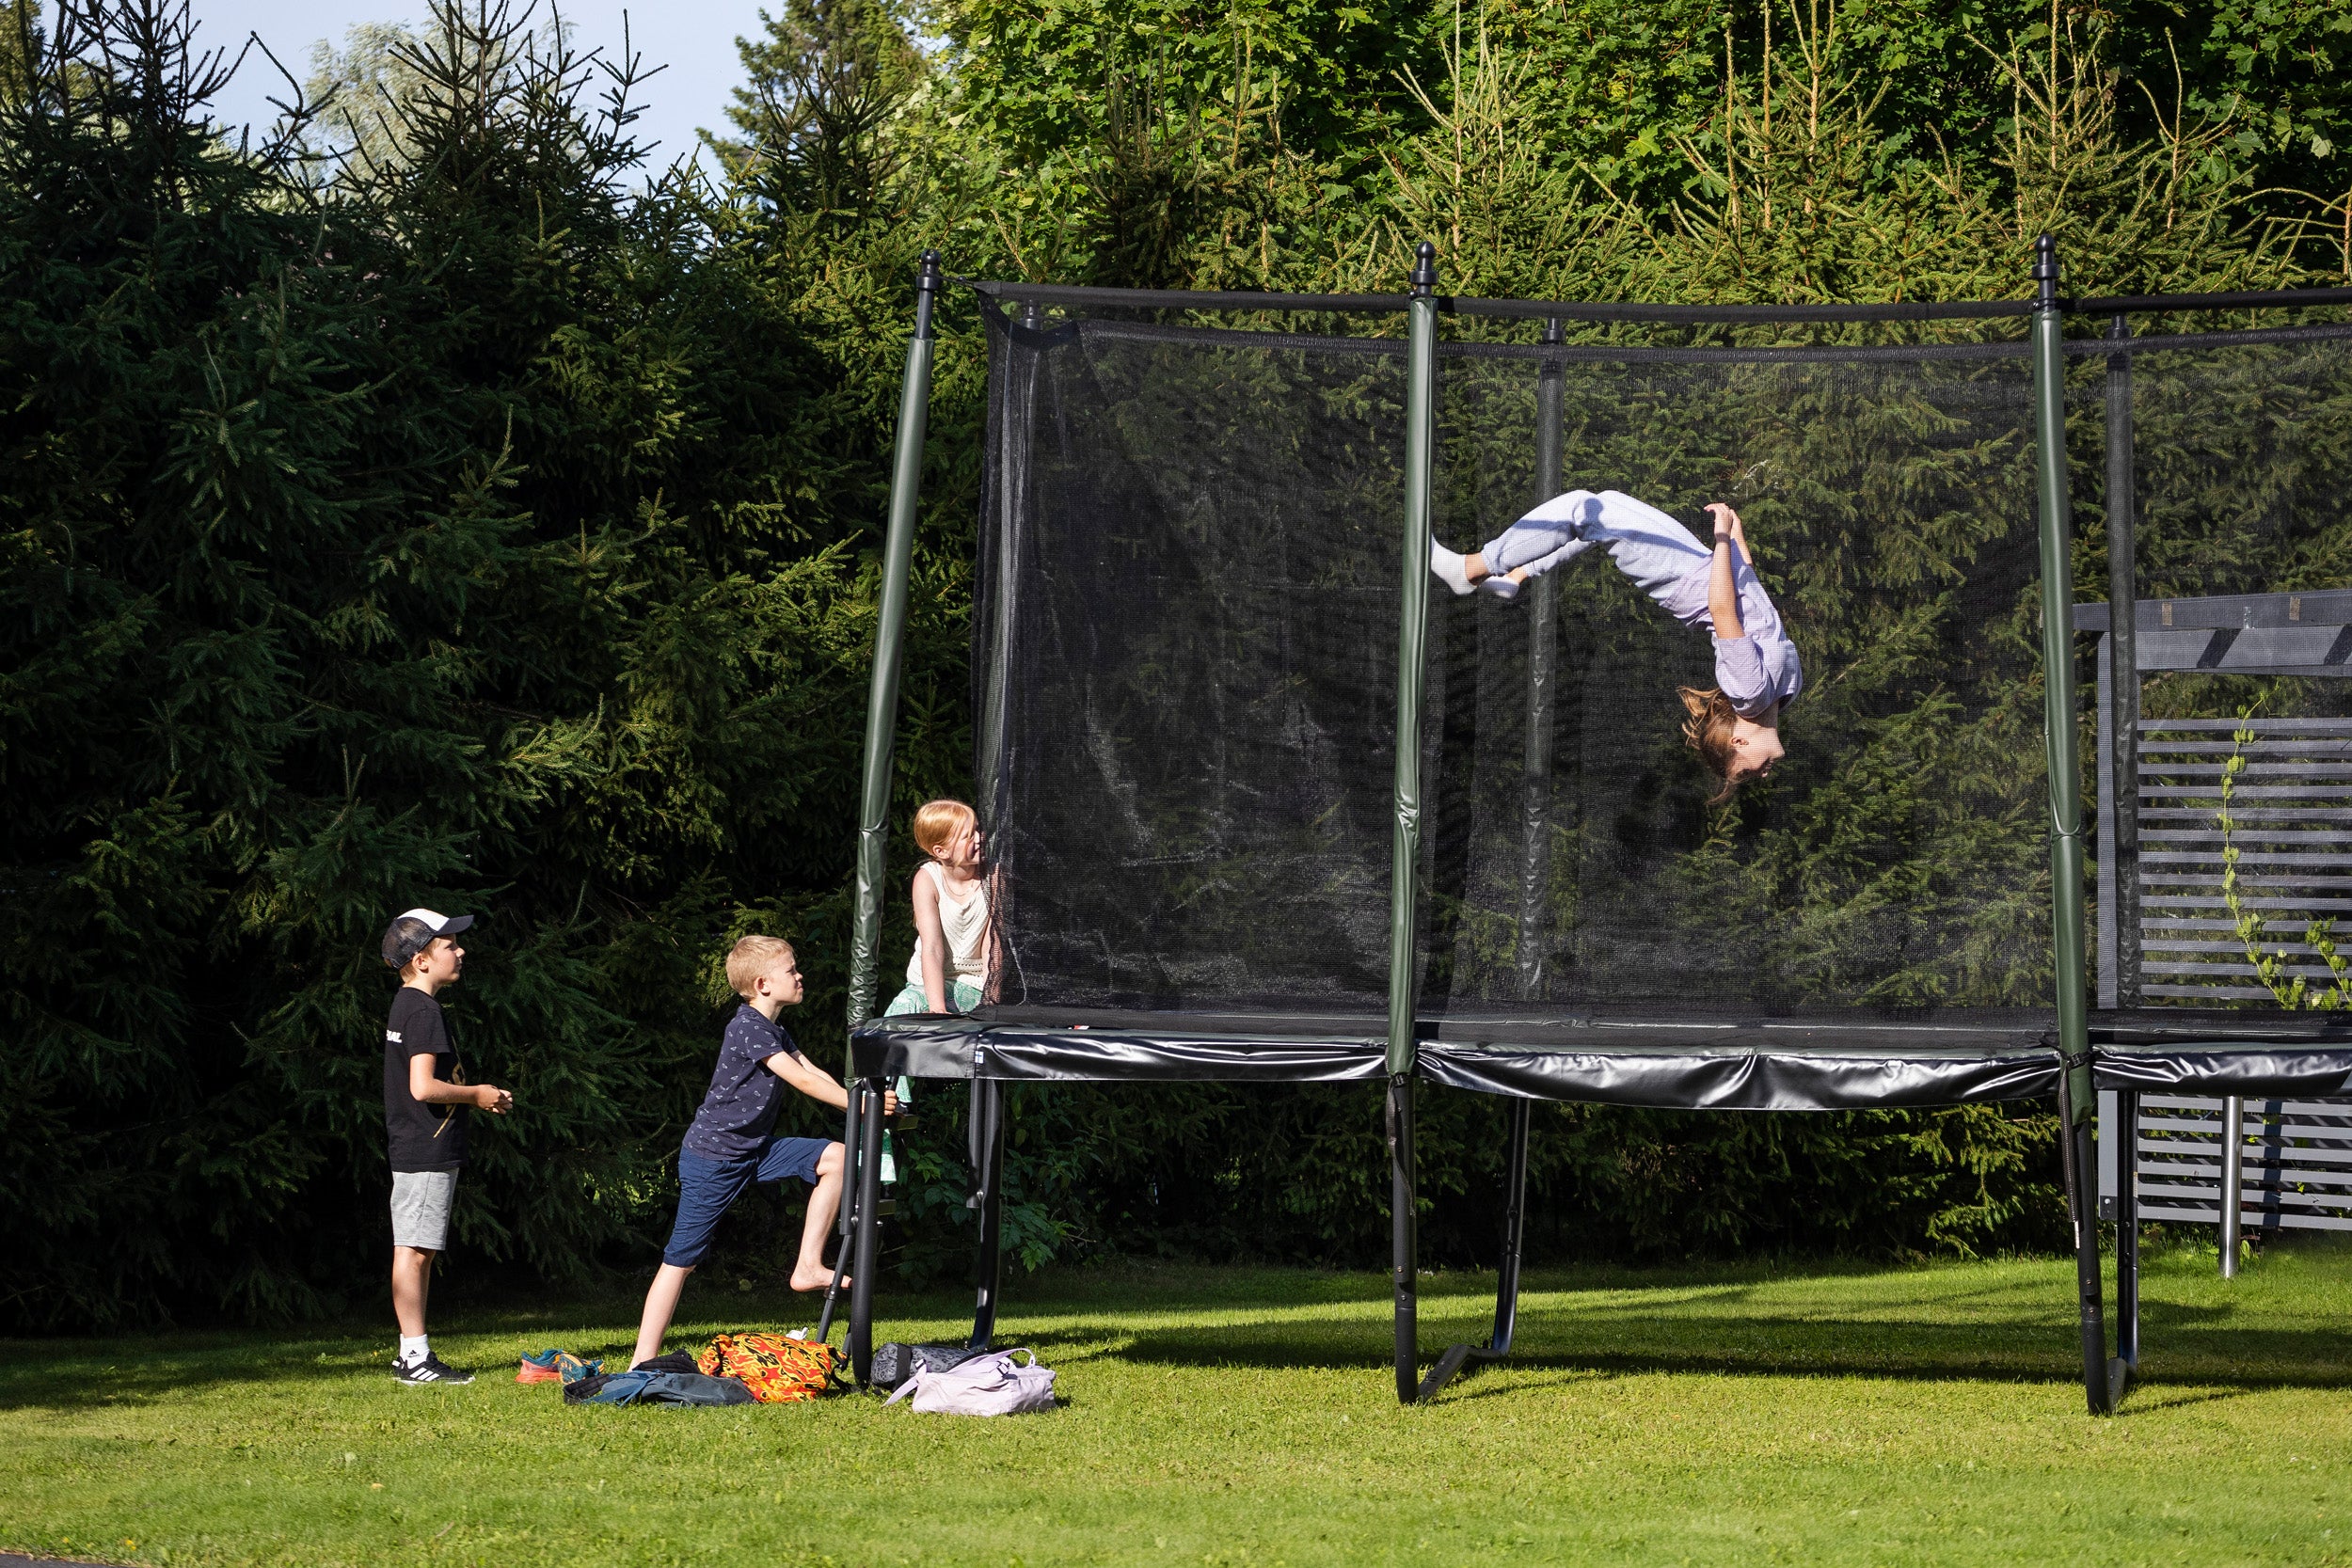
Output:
x=428 y=1367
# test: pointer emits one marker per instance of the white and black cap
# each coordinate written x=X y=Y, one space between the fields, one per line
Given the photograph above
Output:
x=414 y=931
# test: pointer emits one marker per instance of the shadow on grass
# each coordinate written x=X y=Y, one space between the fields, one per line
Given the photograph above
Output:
x=2187 y=1345
x=1758 y=1346
x=1942 y=1323
x=82 y=1376
x=86 y=1382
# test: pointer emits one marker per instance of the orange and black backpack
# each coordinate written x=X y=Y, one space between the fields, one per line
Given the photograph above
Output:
x=778 y=1370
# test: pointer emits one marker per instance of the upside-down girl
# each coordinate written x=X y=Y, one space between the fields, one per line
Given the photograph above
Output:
x=1735 y=728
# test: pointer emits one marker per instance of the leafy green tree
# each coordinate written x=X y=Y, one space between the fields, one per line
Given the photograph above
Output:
x=424 y=538
x=428 y=502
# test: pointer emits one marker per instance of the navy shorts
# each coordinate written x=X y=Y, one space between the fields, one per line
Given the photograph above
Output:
x=707 y=1188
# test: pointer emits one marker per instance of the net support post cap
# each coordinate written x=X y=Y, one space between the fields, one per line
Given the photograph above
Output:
x=1425 y=268
x=2046 y=271
x=927 y=283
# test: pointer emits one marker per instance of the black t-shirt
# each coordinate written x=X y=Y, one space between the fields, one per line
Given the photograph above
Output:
x=421 y=1136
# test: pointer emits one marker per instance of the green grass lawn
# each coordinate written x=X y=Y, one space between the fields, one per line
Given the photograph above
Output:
x=1806 y=1414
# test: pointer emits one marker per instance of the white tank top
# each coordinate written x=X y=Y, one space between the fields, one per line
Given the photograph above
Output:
x=966 y=927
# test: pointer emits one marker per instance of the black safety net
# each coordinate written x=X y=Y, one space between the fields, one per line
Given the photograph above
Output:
x=1892 y=861
x=2235 y=451
x=1186 y=663
x=1186 y=659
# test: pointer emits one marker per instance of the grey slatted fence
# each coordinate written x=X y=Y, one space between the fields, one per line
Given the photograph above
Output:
x=2167 y=935
x=2292 y=826
x=2296 y=1156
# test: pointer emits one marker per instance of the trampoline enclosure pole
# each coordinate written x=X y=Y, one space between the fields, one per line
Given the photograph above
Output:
x=882 y=702
x=2122 y=774
x=1412 y=667
x=1543 y=659
x=2122 y=762
x=1543 y=663
x=1412 y=672
x=2077 y=1102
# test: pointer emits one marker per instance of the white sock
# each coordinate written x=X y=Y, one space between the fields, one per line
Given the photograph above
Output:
x=1449 y=568
x=412 y=1347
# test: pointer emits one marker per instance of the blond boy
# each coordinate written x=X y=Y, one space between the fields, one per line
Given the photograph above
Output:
x=732 y=1143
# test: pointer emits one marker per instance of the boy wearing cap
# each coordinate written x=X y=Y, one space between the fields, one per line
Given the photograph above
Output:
x=424 y=1117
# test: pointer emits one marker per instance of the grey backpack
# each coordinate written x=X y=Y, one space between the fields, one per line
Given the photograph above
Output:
x=895 y=1363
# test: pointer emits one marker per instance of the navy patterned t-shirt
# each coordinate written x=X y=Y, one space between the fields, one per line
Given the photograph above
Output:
x=740 y=1111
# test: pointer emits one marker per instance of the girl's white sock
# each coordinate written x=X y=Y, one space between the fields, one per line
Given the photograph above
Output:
x=413 y=1346
x=1449 y=568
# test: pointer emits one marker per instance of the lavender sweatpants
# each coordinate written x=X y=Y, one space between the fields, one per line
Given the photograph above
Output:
x=1657 y=552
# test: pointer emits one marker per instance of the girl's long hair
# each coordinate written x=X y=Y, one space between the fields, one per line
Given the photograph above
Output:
x=1708 y=732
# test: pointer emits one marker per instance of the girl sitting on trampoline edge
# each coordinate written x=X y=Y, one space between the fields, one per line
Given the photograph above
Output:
x=954 y=942
x=1735 y=728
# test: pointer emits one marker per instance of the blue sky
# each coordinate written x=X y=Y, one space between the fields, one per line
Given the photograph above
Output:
x=693 y=38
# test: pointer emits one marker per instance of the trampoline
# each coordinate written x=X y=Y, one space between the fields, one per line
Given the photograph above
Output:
x=1205 y=619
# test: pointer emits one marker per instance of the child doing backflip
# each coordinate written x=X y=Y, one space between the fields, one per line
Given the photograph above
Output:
x=1735 y=728
x=732 y=1143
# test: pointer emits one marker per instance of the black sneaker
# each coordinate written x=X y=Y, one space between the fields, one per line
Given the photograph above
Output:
x=431 y=1368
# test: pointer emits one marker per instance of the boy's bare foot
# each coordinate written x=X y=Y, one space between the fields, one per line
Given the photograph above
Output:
x=805 y=1278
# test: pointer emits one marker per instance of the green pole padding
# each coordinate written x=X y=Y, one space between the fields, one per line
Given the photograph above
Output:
x=2057 y=663
x=1412 y=675
x=2077 y=1104
x=1412 y=664
x=882 y=702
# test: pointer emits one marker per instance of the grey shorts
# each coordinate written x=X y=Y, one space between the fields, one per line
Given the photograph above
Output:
x=420 y=1203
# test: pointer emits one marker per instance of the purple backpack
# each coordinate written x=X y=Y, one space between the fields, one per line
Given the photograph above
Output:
x=989 y=1384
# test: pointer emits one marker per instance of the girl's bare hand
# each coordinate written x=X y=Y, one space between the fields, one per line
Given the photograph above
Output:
x=1727 y=521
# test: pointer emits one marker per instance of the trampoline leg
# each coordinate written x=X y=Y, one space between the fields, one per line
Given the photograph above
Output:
x=2075 y=1156
x=845 y=1222
x=2233 y=1180
x=867 y=1170
x=2127 y=1233
x=1404 y=1236
x=1497 y=1344
x=1514 y=1231
x=988 y=1151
